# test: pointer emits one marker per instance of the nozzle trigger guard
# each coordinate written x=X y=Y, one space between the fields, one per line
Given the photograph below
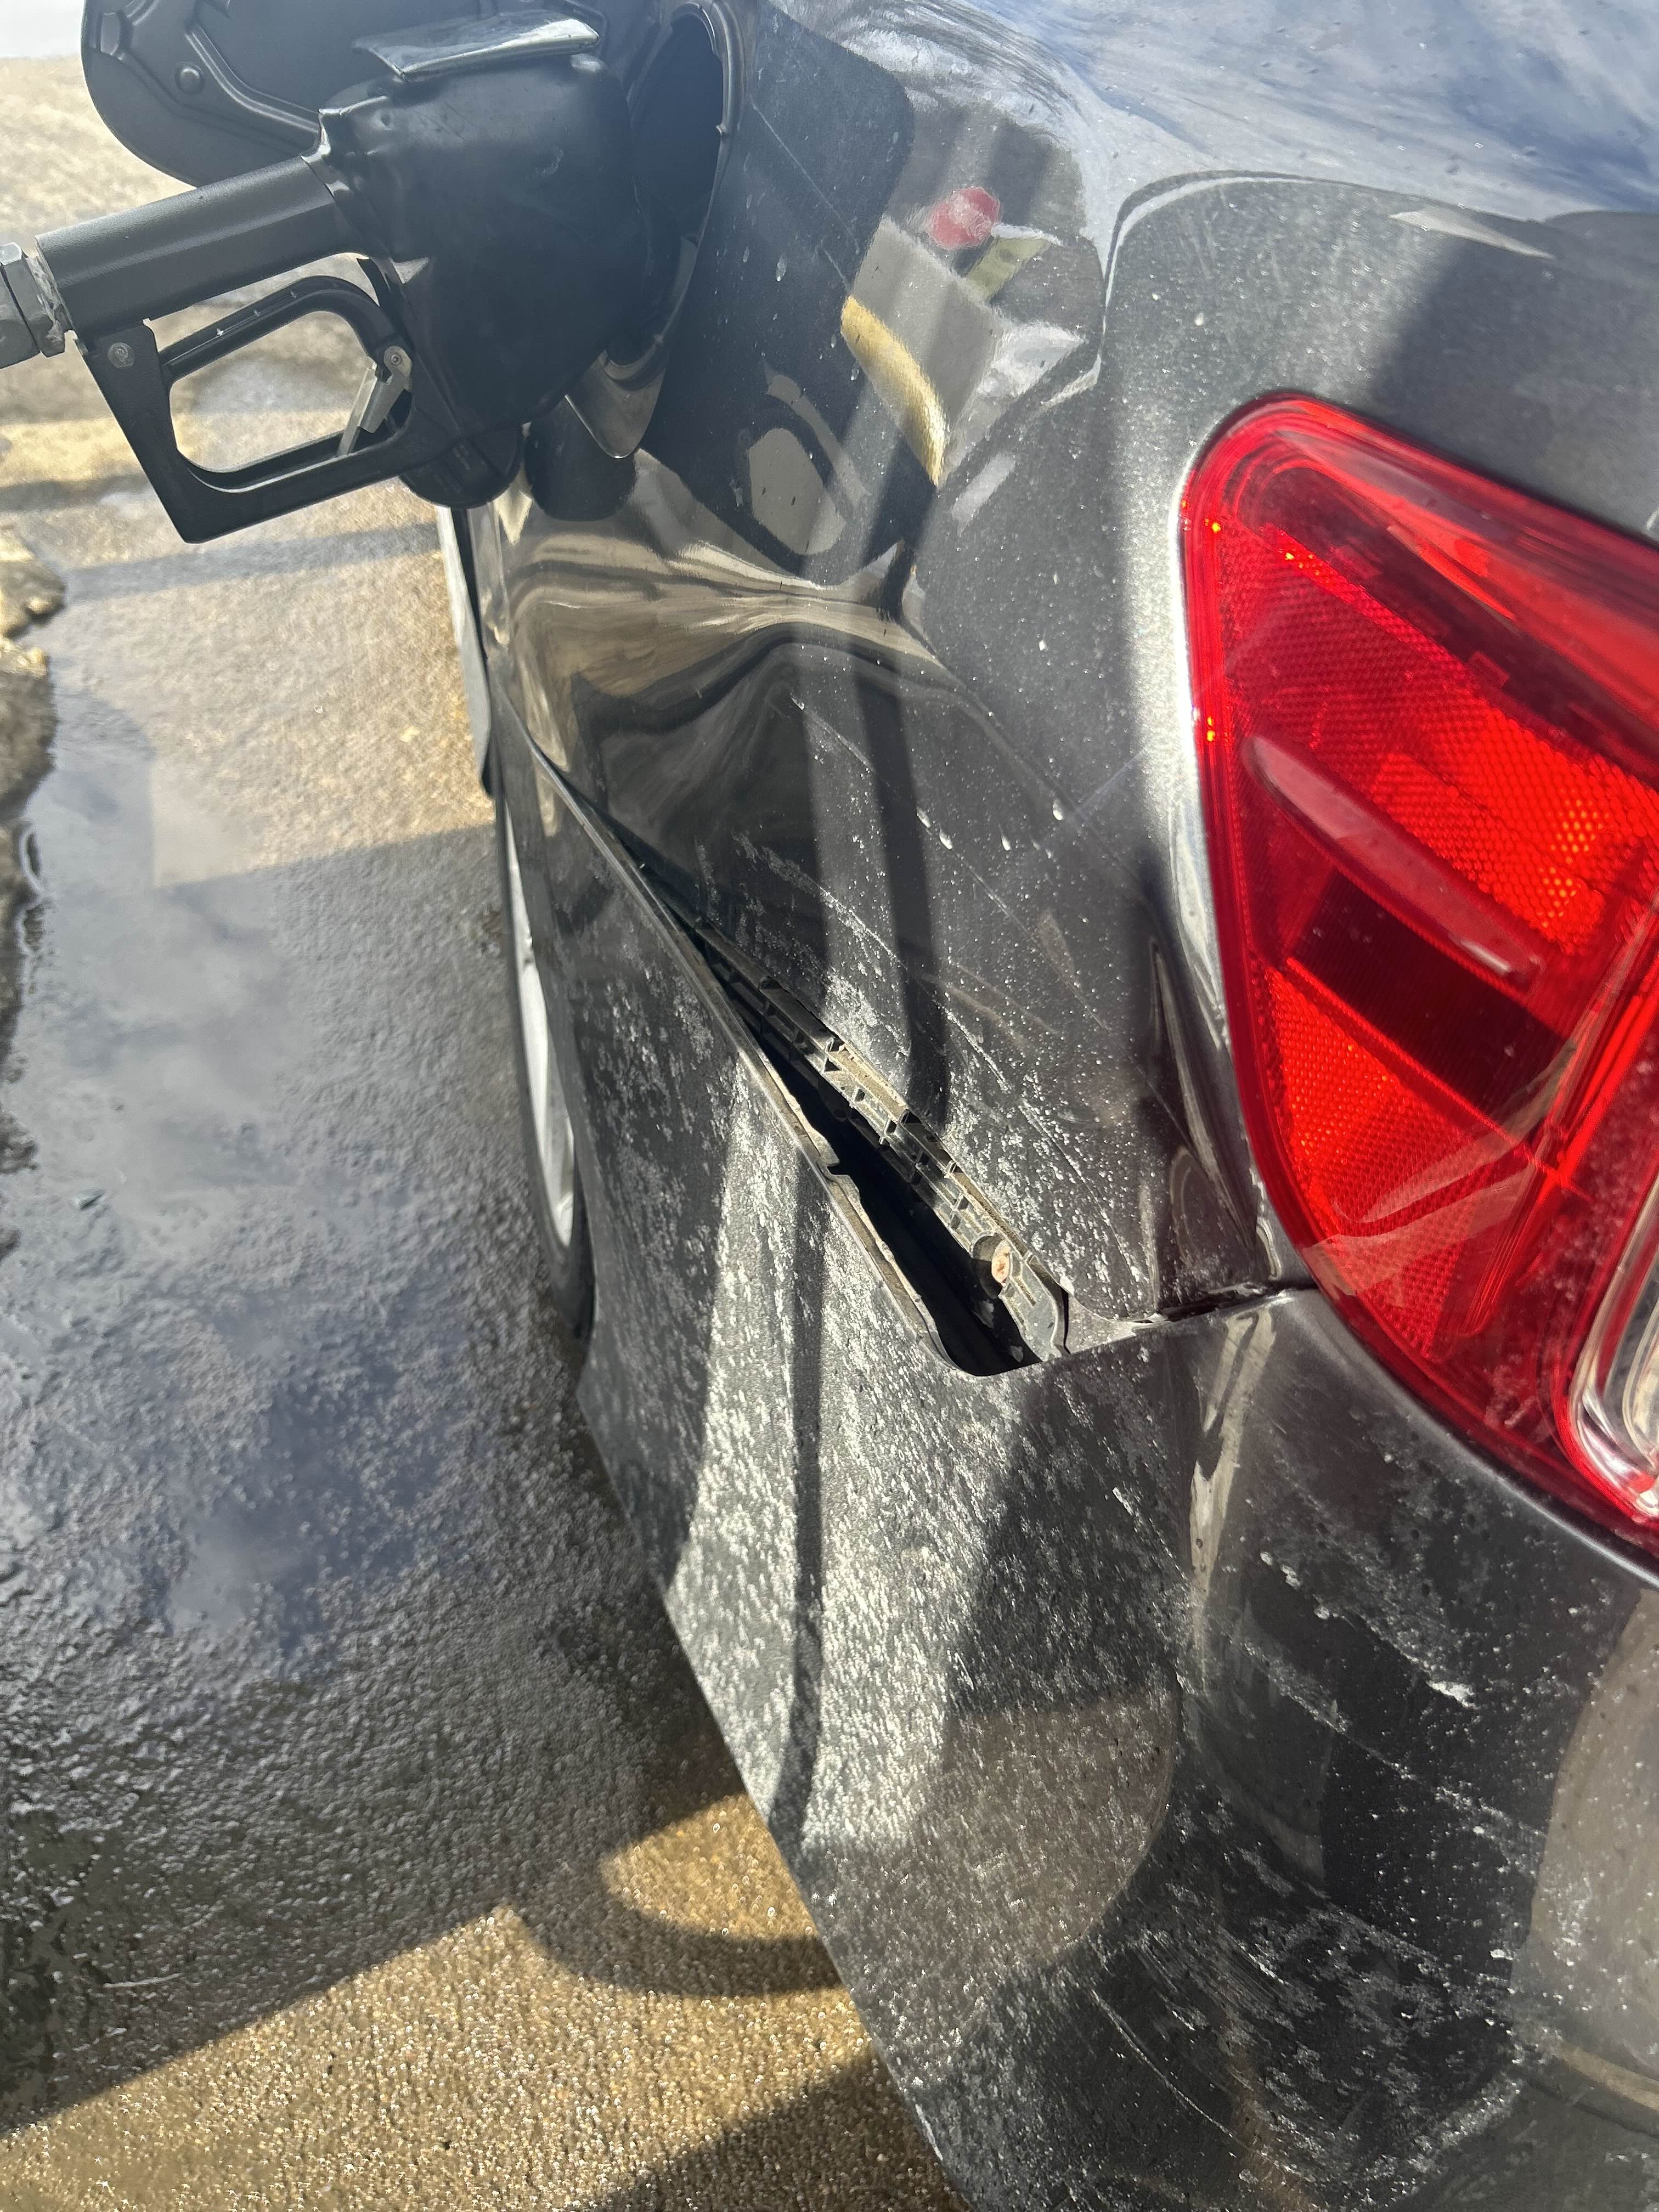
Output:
x=136 y=378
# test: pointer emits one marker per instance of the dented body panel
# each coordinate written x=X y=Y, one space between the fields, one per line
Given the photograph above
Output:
x=1217 y=1785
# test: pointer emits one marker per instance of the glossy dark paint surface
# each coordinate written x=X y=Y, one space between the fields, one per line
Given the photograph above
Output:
x=1217 y=1785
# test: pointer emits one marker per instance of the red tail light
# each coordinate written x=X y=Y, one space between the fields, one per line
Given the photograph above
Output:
x=1428 y=725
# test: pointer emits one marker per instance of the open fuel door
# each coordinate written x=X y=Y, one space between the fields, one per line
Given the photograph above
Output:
x=483 y=170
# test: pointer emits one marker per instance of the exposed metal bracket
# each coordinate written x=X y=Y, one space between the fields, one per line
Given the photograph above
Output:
x=1008 y=1271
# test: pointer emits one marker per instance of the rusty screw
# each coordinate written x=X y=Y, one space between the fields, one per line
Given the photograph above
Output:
x=995 y=1255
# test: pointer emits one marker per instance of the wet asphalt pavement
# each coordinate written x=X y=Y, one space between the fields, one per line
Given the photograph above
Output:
x=366 y=1841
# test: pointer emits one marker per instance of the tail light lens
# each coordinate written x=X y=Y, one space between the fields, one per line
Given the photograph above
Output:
x=1428 y=729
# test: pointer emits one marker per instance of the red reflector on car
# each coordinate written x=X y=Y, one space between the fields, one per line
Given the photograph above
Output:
x=1428 y=728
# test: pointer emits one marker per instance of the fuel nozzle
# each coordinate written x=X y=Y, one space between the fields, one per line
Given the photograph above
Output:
x=481 y=177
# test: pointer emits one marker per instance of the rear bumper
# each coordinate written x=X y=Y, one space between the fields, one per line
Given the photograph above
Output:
x=1392 y=1938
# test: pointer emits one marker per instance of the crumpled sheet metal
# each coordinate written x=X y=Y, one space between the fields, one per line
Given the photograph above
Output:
x=1113 y=1737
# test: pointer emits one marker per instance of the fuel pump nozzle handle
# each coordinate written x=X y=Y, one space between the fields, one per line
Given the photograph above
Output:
x=484 y=180
x=116 y=270
x=151 y=261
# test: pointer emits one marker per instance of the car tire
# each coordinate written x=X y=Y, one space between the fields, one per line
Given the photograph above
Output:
x=555 y=1185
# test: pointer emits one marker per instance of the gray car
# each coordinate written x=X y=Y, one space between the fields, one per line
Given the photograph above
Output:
x=1059 y=608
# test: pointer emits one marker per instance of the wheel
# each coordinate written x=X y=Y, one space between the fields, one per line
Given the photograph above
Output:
x=549 y=1141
